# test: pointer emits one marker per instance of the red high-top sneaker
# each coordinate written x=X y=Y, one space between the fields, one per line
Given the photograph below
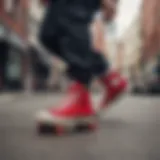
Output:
x=75 y=109
x=115 y=85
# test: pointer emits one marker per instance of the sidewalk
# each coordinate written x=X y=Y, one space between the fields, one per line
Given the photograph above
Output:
x=128 y=130
x=9 y=96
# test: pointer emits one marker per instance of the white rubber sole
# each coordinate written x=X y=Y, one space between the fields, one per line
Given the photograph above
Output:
x=44 y=117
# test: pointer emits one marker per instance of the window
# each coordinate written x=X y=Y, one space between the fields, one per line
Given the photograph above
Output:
x=2 y=32
x=13 y=69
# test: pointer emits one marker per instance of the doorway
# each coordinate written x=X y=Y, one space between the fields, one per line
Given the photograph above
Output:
x=4 y=48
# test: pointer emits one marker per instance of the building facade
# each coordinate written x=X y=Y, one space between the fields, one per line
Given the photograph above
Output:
x=150 y=27
x=130 y=46
x=150 y=32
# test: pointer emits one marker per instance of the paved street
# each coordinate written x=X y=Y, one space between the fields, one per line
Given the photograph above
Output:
x=128 y=131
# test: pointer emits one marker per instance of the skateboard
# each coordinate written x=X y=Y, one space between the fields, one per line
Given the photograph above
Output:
x=49 y=125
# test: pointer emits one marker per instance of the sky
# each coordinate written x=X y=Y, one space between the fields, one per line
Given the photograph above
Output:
x=128 y=9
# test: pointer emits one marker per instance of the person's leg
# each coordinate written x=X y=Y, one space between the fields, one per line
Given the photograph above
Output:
x=69 y=42
x=49 y=31
x=75 y=51
x=113 y=82
x=76 y=48
x=100 y=65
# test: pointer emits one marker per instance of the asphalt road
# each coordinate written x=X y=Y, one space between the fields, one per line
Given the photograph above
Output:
x=130 y=130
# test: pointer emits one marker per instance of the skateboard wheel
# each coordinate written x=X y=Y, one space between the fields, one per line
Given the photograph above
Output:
x=86 y=127
x=92 y=127
x=39 y=128
x=44 y=128
x=59 y=130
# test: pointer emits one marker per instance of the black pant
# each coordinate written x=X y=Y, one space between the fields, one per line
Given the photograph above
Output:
x=70 y=40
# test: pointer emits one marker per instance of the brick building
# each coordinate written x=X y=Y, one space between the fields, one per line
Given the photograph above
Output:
x=130 y=48
x=13 y=14
x=150 y=36
x=13 y=20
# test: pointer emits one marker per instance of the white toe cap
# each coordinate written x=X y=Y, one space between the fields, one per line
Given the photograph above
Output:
x=44 y=116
